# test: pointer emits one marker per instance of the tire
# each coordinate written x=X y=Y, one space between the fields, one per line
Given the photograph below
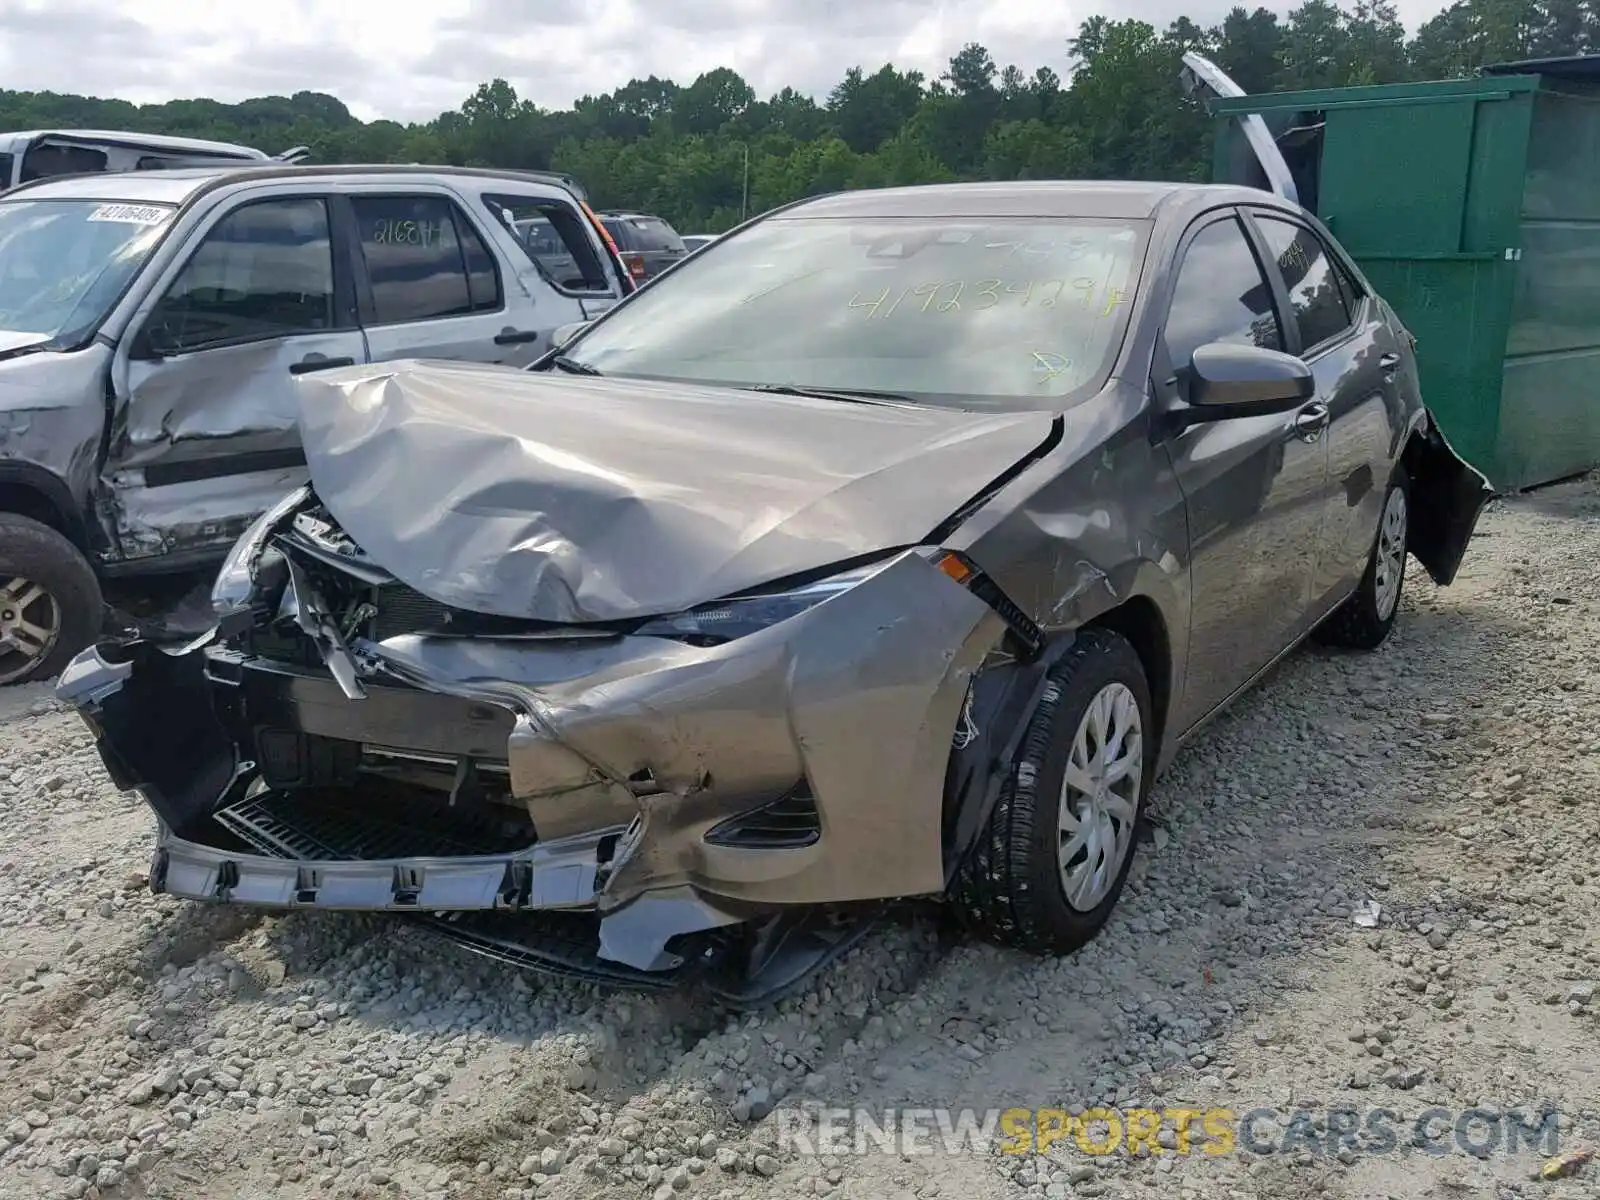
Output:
x=1012 y=887
x=1364 y=620
x=45 y=585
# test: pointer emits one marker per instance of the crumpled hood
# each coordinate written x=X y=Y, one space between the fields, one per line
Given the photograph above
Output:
x=571 y=499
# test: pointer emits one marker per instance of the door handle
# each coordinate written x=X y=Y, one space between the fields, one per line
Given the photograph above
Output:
x=1390 y=363
x=1310 y=421
x=308 y=364
x=515 y=337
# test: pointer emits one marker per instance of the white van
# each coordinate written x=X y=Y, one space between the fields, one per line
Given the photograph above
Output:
x=43 y=154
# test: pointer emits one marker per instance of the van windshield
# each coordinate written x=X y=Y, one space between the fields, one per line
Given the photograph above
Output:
x=64 y=263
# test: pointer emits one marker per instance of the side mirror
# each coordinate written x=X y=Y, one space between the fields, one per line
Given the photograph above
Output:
x=1228 y=381
x=566 y=333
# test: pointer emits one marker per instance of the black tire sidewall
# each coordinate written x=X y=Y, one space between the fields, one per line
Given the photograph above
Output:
x=34 y=551
x=1046 y=750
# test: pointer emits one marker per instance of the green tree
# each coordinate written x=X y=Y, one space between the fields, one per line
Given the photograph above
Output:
x=1110 y=107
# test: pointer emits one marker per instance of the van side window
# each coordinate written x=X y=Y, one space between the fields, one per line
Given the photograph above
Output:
x=555 y=237
x=263 y=271
x=424 y=259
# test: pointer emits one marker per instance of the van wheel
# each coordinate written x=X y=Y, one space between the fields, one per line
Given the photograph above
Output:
x=50 y=602
x=1364 y=620
x=1047 y=871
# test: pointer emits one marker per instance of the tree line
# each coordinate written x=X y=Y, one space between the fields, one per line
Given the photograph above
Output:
x=681 y=150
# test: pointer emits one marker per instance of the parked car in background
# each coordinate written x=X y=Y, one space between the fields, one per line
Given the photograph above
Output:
x=648 y=245
x=694 y=241
x=549 y=251
x=154 y=325
x=891 y=550
x=45 y=154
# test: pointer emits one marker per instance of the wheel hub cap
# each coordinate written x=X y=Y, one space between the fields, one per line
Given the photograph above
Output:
x=1099 y=796
x=30 y=625
x=1390 y=564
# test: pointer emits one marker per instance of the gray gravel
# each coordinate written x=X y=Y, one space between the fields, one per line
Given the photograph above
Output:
x=150 y=1048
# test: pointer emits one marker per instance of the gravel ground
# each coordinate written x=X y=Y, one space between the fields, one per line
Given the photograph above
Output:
x=150 y=1048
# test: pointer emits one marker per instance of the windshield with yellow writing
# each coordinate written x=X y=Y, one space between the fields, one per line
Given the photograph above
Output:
x=975 y=313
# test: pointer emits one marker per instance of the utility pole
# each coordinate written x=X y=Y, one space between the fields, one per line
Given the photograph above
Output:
x=744 y=202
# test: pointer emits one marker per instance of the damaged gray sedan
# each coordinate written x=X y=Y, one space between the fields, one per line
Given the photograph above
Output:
x=889 y=547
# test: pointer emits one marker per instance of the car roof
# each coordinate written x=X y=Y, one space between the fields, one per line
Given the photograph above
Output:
x=151 y=187
x=183 y=183
x=1133 y=200
x=150 y=141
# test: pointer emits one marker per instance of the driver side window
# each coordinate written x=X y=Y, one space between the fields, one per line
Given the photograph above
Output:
x=263 y=271
x=1221 y=296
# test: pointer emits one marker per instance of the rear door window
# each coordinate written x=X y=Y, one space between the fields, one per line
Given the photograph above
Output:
x=424 y=259
x=1311 y=278
x=555 y=237
x=652 y=233
x=7 y=164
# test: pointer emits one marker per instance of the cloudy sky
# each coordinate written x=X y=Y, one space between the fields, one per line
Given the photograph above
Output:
x=408 y=61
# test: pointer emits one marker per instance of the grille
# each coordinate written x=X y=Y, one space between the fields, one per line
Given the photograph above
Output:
x=788 y=823
x=320 y=825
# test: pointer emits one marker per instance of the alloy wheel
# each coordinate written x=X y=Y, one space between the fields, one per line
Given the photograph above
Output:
x=30 y=625
x=1391 y=561
x=1100 y=796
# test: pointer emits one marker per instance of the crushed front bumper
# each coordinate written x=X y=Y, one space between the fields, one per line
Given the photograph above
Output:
x=669 y=789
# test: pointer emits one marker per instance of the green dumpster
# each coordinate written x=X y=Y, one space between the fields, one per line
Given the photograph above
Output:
x=1474 y=206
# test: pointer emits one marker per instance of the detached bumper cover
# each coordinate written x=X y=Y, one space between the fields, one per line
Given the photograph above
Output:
x=546 y=876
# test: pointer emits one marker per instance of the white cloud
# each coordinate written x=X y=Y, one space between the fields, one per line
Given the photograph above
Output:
x=409 y=62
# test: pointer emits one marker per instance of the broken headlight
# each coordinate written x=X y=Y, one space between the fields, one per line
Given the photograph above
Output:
x=725 y=620
x=236 y=581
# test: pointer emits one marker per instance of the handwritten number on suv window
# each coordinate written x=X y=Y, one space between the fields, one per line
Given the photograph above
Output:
x=409 y=233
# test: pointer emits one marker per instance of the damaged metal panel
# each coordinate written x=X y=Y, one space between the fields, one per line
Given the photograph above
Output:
x=512 y=493
x=856 y=698
x=152 y=521
x=200 y=444
x=52 y=411
x=174 y=409
x=1107 y=507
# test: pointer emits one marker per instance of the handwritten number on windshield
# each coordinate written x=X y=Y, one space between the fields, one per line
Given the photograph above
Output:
x=950 y=295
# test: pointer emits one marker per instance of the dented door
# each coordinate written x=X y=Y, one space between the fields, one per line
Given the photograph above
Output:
x=204 y=428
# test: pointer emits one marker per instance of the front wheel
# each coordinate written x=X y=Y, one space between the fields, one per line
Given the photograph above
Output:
x=50 y=603
x=1364 y=620
x=1049 y=867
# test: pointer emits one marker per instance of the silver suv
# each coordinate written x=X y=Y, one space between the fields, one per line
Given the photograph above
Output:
x=153 y=325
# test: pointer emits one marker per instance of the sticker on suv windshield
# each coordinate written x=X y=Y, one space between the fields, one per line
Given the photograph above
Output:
x=131 y=214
